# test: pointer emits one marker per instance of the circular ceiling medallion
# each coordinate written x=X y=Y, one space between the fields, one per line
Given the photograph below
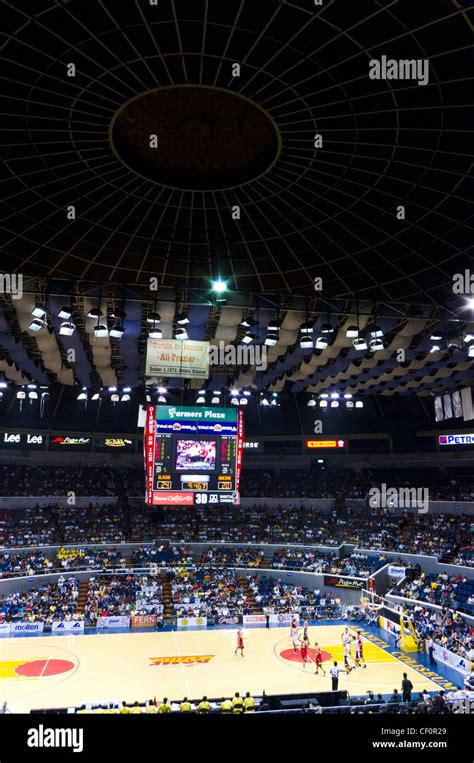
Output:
x=208 y=138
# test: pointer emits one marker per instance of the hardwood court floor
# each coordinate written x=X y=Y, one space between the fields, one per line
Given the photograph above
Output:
x=62 y=671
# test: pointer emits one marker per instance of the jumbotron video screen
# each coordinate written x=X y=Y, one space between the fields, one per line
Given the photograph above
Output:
x=193 y=456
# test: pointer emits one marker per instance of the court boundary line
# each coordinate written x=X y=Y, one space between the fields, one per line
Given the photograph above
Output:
x=183 y=669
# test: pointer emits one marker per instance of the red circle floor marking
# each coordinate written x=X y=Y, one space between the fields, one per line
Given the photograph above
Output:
x=288 y=654
x=37 y=668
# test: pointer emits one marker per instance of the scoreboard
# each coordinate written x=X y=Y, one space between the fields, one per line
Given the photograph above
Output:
x=193 y=456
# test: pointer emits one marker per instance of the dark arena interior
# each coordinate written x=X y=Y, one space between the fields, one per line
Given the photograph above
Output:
x=236 y=371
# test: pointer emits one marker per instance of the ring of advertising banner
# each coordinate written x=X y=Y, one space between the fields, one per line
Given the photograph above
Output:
x=193 y=456
x=456 y=439
x=114 y=443
x=326 y=443
x=23 y=440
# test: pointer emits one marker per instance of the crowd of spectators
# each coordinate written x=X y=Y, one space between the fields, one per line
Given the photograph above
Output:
x=237 y=556
x=446 y=627
x=47 y=481
x=359 y=564
x=304 y=559
x=312 y=560
x=277 y=597
x=454 y=591
x=47 y=603
x=320 y=482
x=441 y=535
x=58 y=524
x=205 y=592
x=330 y=483
x=162 y=554
x=38 y=562
x=123 y=595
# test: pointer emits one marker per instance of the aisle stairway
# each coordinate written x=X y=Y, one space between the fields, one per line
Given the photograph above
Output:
x=250 y=596
x=82 y=598
x=168 y=610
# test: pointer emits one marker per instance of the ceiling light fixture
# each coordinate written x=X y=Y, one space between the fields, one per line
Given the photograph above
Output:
x=219 y=286
x=376 y=345
x=67 y=328
x=181 y=333
x=117 y=331
x=359 y=344
x=327 y=328
x=307 y=327
x=306 y=342
x=37 y=325
x=101 y=331
x=274 y=324
x=65 y=313
x=271 y=339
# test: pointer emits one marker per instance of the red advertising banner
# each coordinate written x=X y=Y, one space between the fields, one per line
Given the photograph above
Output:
x=174 y=497
x=149 y=446
x=240 y=448
x=144 y=621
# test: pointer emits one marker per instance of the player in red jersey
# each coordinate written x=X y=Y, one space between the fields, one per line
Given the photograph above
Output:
x=304 y=652
x=359 y=651
x=318 y=660
x=240 y=643
x=294 y=637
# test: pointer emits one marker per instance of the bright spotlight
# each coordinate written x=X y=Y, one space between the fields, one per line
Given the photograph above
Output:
x=219 y=286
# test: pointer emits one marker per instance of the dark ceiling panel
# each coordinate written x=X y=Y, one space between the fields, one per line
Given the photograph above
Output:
x=313 y=211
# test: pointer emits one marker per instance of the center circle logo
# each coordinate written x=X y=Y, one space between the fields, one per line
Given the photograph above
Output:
x=39 y=668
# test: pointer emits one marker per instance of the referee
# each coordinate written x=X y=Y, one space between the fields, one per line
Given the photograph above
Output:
x=334 y=673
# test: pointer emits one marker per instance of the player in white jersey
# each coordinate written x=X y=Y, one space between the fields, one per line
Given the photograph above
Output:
x=347 y=656
x=295 y=640
x=305 y=632
x=346 y=641
x=345 y=636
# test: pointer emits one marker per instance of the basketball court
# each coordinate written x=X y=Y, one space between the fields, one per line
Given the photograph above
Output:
x=63 y=671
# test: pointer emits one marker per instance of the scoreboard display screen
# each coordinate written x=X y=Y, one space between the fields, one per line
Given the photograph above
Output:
x=193 y=456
